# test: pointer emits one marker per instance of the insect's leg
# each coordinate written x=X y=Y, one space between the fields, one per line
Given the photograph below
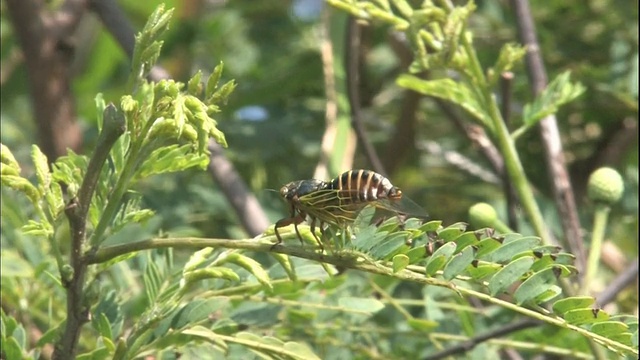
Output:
x=313 y=231
x=284 y=222
x=402 y=219
x=300 y=218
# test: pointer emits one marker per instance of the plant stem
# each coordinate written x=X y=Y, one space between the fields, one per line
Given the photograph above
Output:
x=599 y=225
x=347 y=260
x=77 y=210
x=512 y=162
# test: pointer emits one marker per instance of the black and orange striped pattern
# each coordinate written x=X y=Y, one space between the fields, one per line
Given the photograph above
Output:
x=364 y=186
x=338 y=202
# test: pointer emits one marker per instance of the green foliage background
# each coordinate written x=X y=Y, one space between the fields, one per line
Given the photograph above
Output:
x=274 y=56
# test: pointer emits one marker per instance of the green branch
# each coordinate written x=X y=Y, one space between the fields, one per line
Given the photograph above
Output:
x=350 y=260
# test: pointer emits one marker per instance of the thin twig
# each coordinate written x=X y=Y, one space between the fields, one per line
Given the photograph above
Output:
x=556 y=165
x=506 y=80
x=76 y=211
x=352 y=66
x=468 y=345
x=459 y=161
x=247 y=207
x=624 y=279
x=331 y=105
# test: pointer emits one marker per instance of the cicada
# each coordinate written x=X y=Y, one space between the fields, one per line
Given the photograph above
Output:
x=338 y=202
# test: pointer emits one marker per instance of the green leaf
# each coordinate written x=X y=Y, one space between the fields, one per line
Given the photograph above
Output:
x=198 y=310
x=251 y=266
x=301 y=350
x=211 y=273
x=197 y=258
x=483 y=270
x=560 y=307
x=400 y=262
x=458 y=263
x=152 y=279
x=366 y=305
x=101 y=323
x=212 y=82
x=447 y=89
x=422 y=325
x=613 y=330
x=439 y=258
x=537 y=284
x=466 y=239
x=6 y=156
x=585 y=316
x=194 y=87
x=486 y=246
x=416 y=254
x=510 y=248
x=452 y=231
x=510 y=54
x=509 y=274
x=11 y=348
x=286 y=264
x=390 y=245
x=172 y=158
x=41 y=165
x=559 y=92
x=431 y=226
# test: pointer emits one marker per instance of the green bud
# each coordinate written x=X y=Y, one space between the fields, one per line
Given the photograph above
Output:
x=484 y=215
x=194 y=87
x=605 y=186
x=66 y=272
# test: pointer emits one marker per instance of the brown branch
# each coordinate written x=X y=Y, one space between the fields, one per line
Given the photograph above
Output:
x=76 y=211
x=556 y=165
x=468 y=345
x=247 y=207
x=331 y=106
x=624 y=279
x=352 y=65
x=48 y=53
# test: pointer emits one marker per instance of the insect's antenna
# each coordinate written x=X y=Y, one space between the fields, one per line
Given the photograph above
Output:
x=274 y=190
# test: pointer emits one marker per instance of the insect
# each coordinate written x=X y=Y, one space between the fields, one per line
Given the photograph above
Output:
x=339 y=201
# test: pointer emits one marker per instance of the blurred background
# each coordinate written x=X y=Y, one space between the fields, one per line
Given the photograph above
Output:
x=289 y=116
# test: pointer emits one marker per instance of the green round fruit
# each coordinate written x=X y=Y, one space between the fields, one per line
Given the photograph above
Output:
x=605 y=186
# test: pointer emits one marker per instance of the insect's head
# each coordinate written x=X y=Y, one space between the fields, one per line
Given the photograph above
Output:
x=300 y=188
x=395 y=193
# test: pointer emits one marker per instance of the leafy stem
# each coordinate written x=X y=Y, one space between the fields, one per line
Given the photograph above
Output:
x=77 y=213
x=349 y=260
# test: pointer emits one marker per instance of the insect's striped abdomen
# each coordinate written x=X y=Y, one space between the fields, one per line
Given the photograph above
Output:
x=363 y=186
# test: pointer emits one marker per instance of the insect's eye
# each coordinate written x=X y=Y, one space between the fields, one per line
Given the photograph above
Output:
x=284 y=191
x=395 y=193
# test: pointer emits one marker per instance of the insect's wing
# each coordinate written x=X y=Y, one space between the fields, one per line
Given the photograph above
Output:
x=403 y=206
x=326 y=205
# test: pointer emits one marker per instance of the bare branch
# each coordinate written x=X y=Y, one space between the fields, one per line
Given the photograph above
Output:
x=331 y=106
x=624 y=279
x=556 y=165
x=468 y=345
x=352 y=60
x=247 y=207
